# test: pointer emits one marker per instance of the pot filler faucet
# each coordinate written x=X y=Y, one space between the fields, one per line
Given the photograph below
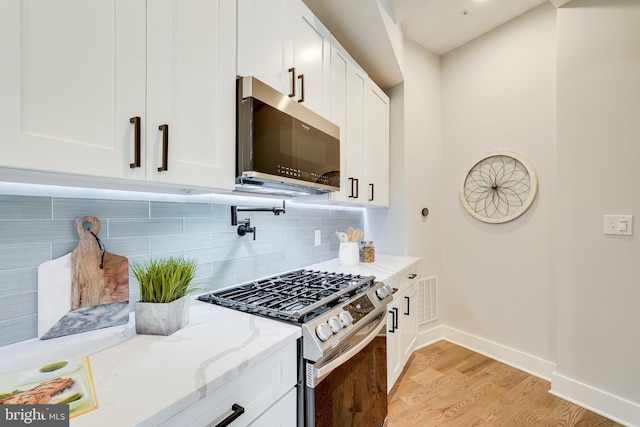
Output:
x=244 y=225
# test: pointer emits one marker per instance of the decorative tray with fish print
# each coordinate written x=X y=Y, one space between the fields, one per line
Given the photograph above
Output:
x=59 y=382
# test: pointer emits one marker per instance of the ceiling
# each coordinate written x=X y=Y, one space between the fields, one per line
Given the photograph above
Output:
x=372 y=30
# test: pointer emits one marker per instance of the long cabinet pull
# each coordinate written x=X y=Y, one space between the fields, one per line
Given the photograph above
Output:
x=393 y=321
x=301 y=78
x=165 y=148
x=292 y=70
x=395 y=318
x=357 y=188
x=372 y=197
x=408 y=305
x=351 y=182
x=413 y=276
x=237 y=411
x=136 y=141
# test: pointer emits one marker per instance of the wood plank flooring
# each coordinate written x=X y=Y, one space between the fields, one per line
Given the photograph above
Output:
x=444 y=384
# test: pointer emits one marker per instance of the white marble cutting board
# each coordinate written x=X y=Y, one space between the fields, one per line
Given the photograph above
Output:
x=54 y=292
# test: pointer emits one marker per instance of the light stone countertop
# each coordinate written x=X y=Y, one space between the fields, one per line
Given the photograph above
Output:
x=144 y=379
x=385 y=268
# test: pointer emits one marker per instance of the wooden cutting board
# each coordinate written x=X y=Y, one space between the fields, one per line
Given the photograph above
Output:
x=84 y=290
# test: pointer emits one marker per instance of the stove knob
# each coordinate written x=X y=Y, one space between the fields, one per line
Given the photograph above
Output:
x=323 y=332
x=382 y=293
x=345 y=318
x=335 y=325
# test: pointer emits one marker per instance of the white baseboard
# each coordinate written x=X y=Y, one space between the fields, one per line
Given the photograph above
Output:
x=599 y=401
x=512 y=357
x=626 y=412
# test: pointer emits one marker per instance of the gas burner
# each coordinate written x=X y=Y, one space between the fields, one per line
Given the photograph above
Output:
x=294 y=296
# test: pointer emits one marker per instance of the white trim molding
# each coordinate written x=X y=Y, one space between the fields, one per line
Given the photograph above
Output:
x=584 y=395
x=591 y=398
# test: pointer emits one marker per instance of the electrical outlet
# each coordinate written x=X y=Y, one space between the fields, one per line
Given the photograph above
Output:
x=621 y=225
x=318 y=238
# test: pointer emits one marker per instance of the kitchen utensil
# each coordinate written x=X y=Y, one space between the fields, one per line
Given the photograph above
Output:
x=357 y=235
x=350 y=234
x=342 y=236
x=84 y=290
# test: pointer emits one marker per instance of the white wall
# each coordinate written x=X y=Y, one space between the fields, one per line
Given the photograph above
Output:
x=499 y=93
x=415 y=164
x=598 y=297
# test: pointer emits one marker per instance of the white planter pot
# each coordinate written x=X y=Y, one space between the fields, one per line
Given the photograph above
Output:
x=161 y=318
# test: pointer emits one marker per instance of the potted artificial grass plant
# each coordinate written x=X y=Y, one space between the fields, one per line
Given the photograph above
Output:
x=164 y=285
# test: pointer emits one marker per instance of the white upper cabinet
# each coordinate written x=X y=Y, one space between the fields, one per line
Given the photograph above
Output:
x=361 y=110
x=77 y=74
x=283 y=44
x=73 y=76
x=191 y=88
x=348 y=88
x=376 y=151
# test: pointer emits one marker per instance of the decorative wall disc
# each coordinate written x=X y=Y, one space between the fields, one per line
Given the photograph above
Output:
x=499 y=187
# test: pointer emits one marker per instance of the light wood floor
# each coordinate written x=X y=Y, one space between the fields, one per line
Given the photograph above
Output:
x=447 y=385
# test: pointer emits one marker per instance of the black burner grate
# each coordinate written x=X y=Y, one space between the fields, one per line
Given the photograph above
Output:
x=294 y=296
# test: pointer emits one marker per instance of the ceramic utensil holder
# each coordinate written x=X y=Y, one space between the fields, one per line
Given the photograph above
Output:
x=348 y=254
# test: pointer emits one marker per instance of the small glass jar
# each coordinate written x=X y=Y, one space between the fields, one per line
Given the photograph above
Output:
x=368 y=252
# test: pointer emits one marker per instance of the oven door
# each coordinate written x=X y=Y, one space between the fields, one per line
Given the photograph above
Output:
x=348 y=387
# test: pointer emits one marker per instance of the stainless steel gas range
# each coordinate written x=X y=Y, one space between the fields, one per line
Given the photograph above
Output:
x=340 y=315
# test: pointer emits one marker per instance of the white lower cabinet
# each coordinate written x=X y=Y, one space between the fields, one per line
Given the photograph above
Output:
x=282 y=414
x=266 y=392
x=402 y=326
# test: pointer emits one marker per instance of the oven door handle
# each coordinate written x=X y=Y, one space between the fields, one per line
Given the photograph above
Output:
x=331 y=364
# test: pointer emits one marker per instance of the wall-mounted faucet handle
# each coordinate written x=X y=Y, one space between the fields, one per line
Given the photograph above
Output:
x=245 y=227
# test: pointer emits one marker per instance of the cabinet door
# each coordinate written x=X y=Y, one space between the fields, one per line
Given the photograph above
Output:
x=377 y=149
x=395 y=362
x=356 y=148
x=265 y=42
x=312 y=60
x=73 y=74
x=409 y=331
x=282 y=414
x=191 y=88
x=347 y=111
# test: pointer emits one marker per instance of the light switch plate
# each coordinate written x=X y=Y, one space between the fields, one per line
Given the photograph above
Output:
x=318 y=238
x=620 y=225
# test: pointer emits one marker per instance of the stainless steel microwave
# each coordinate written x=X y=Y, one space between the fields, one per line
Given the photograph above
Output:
x=282 y=147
